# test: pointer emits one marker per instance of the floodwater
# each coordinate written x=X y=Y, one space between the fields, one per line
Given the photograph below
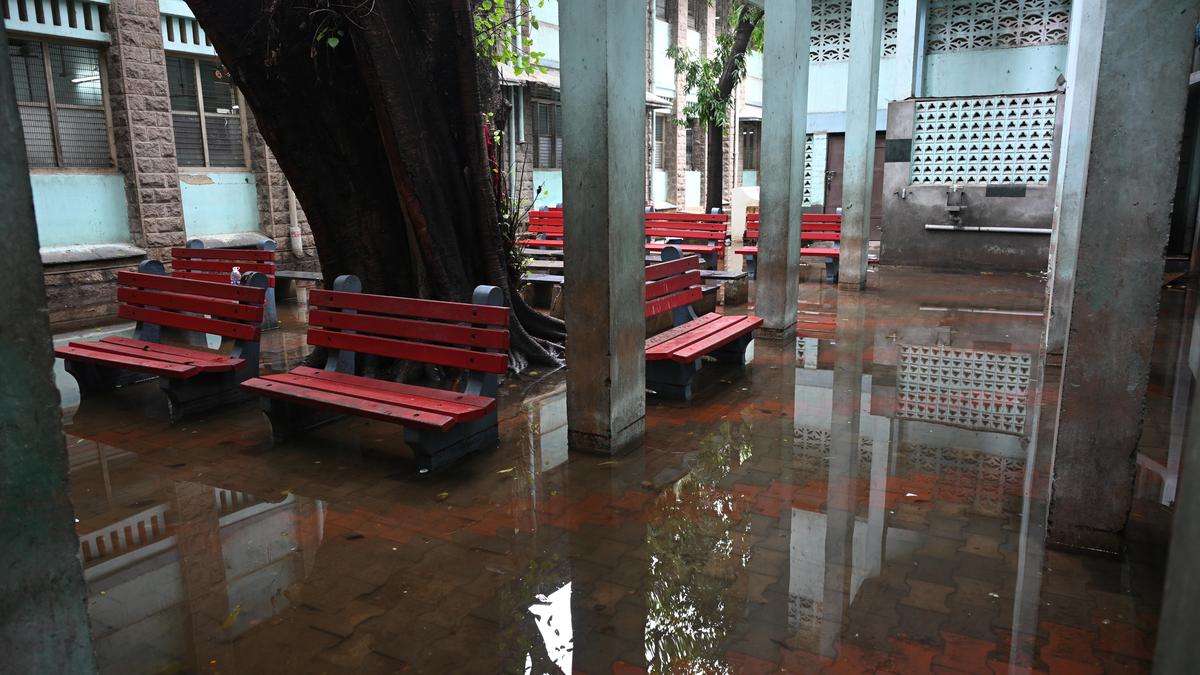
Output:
x=868 y=498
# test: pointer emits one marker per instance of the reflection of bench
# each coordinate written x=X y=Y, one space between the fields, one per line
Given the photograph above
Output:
x=215 y=264
x=673 y=357
x=814 y=227
x=193 y=379
x=440 y=425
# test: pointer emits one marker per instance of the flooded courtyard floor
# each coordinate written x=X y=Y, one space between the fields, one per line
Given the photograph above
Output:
x=866 y=498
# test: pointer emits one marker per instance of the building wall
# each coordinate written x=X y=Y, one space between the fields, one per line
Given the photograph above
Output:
x=95 y=221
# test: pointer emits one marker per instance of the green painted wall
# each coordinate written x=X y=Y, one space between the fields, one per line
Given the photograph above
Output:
x=827 y=85
x=80 y=209
x=551 y=184
x=985 y=72
x=219 y=203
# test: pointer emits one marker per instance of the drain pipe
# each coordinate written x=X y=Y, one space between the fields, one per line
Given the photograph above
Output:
x=294 y=233
x=1007 y=230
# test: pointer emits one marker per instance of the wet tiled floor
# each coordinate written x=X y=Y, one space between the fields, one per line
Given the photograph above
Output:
x=866 y=499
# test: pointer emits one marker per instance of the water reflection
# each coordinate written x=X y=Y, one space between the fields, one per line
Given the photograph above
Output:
x=868 y=498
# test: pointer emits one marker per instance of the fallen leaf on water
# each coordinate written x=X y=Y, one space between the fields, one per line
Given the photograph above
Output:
x=232 y=618
x=508 y=470
x=442 y=496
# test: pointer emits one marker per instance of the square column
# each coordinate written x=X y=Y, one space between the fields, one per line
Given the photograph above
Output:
x=910 y=48
x=604 y=172
x=786 y=31
x=1129 y=65
x=866 y=32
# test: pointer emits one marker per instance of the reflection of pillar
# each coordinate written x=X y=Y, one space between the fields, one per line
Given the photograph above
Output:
x=841 y=504
x=45 y=626
x=202 y=564
x=309 y=518
x=603 y=104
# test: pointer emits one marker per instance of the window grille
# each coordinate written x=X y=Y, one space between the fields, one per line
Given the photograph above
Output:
x=693 y=18
x=751 y=138
x=694 y=157
x=957 y=25
x=664 y=10
x=60 y=96
x=547 y=124
x=830 y=40
x=998 y=140
x=184 y=34
x=206 y=114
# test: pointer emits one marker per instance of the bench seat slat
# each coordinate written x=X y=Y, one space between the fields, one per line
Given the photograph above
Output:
x=360 y=407
x=469 y=336
x=144 y=365
x=230 y=329
x=191 y=303
x=196 y=354
x=453 y=357
x=366 y=388
x=485 y=402
x=668 y=302
x=716 y=340
x=828 y=252
x=675 y=332
x=203 y=364
x=411 y=307
x=694 y=330
x=684 y=233
x=252 y=255
x=210 y=289
x=686 y=248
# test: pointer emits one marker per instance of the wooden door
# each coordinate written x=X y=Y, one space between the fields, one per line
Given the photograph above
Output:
x=835 y=159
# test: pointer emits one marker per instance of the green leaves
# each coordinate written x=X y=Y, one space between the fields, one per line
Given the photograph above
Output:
x=499 y=36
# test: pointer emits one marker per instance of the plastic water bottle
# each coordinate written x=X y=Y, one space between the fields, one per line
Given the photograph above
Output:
x=235 y=277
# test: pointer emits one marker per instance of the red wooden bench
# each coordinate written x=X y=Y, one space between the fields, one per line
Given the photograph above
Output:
x=215 y=264
x=440 y=425
x=814 y=227
x=193 y=379
x=673 y=357
x=676 y=228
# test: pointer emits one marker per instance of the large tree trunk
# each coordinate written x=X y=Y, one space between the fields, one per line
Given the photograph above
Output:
x=383 y=139
x=731 y=72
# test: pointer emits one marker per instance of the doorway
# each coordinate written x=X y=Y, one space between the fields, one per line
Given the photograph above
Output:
x=835 y=159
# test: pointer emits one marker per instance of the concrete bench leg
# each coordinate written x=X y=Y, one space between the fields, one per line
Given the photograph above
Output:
x=832 y=266
x=752 y=266
x=436 y=450
x=671 y=379
x=203 y=392
x=289 y=419
x=94 y=378
x=270 y=311
x=734 y=352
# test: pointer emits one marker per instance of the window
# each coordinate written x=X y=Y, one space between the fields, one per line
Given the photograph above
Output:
x=660 y=134
x=60 y=96
x=214 y=138
x=694 y=14
x=547 y=130
x=695 y=154
x=750 y=146
x=664 y=10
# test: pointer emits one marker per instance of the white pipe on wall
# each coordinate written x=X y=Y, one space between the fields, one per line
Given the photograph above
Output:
x=1009 y=230
x=294 y=234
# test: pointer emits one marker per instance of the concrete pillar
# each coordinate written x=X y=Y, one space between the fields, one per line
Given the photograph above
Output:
x=910 y=48
x=43 y=618
x=142 y=130
x=787 y=27
x=1114 y=216
x=603 y=101
x=866 y=32
x=675 y=140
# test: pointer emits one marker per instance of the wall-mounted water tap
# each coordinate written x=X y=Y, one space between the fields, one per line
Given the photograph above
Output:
x=956 y=203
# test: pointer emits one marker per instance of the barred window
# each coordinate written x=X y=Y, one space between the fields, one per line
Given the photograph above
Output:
x=547 y=130
x=664 y=10
x=60 y=96
x=750 y=146
x=695 y=155
x=660 y=133
x=206 y=113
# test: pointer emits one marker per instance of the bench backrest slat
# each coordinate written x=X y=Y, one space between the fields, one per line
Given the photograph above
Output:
x=225 y=309
x=229 y=329
x=721 y=218
x=208 y=289
x=437 y=310
x=238 y=254
x=452 y=334
x=471 y=336
x=672 y=285
x=221 y=266
x=486 y=362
